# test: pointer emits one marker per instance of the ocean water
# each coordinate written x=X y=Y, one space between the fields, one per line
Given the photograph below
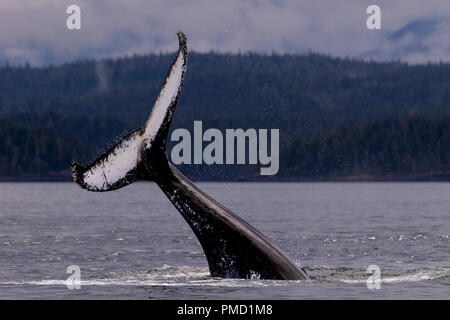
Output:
x=133 y=244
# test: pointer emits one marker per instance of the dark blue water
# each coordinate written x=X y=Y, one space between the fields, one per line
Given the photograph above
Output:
x=133 y=244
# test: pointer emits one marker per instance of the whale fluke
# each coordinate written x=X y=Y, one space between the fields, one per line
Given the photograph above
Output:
x=121 y=164
x=233 y=248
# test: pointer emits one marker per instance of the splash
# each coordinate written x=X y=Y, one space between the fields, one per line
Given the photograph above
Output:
x=199 y=276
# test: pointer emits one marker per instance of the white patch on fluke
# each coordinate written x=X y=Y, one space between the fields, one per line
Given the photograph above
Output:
x=166 y=96
x=115 y=165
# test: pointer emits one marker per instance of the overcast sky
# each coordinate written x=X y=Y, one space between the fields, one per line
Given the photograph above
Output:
x=412 y=30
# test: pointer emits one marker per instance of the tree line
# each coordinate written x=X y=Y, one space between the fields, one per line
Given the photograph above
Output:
x=338 y=118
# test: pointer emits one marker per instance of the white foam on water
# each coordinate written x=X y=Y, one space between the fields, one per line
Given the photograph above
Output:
x=189 y=276
x=421 y=275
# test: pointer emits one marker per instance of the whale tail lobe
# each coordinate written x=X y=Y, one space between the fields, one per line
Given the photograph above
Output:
x=122 y=165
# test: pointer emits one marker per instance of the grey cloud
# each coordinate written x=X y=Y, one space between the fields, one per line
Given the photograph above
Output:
x=35 y=31
x=417 y=42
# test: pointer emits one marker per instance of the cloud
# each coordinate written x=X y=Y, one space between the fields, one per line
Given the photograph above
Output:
x=35 y=31
x=419 y=41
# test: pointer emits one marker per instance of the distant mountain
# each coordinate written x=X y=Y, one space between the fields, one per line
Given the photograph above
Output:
x=418 y=41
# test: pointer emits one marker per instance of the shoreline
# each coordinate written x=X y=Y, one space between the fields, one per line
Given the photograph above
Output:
x=431 y=177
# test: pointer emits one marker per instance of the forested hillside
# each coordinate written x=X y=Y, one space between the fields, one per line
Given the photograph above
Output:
x=338 y=118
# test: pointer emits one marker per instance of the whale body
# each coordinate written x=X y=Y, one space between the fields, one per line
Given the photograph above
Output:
x=233 y=248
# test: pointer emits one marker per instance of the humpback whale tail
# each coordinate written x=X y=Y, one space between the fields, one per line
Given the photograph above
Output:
x=233 y=248
x=122 y=165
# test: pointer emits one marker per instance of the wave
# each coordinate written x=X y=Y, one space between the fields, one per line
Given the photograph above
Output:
x=199 y=276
